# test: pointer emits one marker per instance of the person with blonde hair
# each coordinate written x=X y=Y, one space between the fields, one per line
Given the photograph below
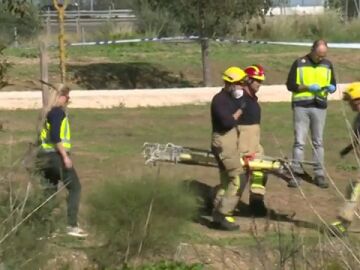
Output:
x=54 y=161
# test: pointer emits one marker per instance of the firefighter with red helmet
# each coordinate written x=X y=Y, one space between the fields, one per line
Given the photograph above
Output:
x=249 y=139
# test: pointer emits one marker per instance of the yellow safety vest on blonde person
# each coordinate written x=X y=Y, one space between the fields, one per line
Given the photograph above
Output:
x=47 y=145
x=308 y=74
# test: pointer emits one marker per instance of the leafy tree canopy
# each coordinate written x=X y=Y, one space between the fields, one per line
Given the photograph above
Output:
x=209 y=18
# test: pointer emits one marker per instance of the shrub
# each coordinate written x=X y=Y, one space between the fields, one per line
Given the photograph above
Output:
x=25 y=247
x=158 y=23
x=308 y=28
x=4 y=66
x=26 y=20
x=144 y=216
x=168 y=265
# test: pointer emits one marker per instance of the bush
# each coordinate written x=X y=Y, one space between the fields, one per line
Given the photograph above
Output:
x=144 y=216
x=154 y=23
x=306 y=28
x=27 y=23
x=4 y=66
x=168 y=266
x=25 y=247
x=111 y=31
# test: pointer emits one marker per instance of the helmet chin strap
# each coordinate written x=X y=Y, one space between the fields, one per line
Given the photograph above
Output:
x=248 y=88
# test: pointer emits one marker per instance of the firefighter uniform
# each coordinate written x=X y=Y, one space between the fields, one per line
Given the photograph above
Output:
x=225 y=147
x=352 y=193
x=249 y=144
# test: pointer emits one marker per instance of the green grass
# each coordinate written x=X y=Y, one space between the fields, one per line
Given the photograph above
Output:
x=120 y=133
x=163 y=65
x=108 y=145
x=139 y=217
x=159 y=65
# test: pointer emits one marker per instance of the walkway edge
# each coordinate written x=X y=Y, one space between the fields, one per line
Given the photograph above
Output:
x=101 y=99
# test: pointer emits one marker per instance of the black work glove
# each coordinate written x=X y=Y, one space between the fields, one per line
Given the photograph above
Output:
x=346 y=150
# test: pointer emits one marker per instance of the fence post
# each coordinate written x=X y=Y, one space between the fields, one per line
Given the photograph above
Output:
x=83 y=39
x=48 y=25
x=109 y=17
x=16 y=42
x=78 y=27
x=44 y=72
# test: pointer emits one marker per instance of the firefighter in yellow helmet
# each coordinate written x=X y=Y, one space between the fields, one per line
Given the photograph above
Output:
x=225 y=113
x=346 y=213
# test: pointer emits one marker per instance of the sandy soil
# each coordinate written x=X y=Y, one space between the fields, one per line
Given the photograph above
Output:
x=139 y=98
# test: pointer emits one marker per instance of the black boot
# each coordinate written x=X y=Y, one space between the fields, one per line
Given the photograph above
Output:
x=320 y=181
x=225 y=223
x=257 y=208
x=338 y=228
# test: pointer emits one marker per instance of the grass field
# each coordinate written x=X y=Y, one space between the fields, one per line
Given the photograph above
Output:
x=108 y=145
x=162 y=65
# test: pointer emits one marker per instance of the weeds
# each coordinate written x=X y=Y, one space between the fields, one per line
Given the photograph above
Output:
x=168 y=265
x=305 y=28
x=4 y=66
x=139 y=217
x=24 y=232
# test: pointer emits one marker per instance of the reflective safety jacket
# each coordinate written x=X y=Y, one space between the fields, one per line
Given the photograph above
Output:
x=306 y=72
x=47 y=145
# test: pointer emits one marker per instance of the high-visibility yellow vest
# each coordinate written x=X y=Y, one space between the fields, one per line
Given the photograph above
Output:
x=308 y=74
x=65 y=135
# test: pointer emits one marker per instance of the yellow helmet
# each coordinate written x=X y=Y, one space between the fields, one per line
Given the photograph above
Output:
x=352 y=91
x=233 y=74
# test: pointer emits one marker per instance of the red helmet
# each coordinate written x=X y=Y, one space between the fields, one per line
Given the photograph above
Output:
x=255 y=72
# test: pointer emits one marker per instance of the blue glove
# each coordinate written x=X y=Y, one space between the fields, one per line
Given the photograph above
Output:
x=331 y=88
x=314 y=88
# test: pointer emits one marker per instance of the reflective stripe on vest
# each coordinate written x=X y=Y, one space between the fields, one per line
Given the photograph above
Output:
x=65 y=136
x=257 y=179
x=308 y=75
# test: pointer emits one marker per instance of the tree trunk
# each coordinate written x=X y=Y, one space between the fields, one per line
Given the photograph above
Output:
x=205 y=61
x=44 y=71
x=204 y=42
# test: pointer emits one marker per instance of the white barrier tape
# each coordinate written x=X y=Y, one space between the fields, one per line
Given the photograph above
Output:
x=194 y=38
x=134 y=40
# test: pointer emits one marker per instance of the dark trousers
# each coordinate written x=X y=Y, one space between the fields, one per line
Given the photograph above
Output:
x=52 y=171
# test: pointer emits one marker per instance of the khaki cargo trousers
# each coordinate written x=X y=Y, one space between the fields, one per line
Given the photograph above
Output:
x=249 y=143
x=352 y=196
x=225 y=147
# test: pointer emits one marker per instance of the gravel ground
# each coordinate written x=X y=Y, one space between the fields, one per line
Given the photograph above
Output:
x=143 y=97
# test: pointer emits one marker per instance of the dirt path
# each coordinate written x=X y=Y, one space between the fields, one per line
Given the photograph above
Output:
x=143 y=97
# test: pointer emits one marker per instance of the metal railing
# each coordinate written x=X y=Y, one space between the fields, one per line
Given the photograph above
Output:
x=95 y=15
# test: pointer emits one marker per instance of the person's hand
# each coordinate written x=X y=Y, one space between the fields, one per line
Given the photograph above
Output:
x=314 y=87
x=237 y=114
x=331 y=88
x=68 y=162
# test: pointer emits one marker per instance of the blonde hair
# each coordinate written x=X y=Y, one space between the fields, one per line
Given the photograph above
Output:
x=52 y=101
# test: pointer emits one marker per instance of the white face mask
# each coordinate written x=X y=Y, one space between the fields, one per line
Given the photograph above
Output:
x=237 y=93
